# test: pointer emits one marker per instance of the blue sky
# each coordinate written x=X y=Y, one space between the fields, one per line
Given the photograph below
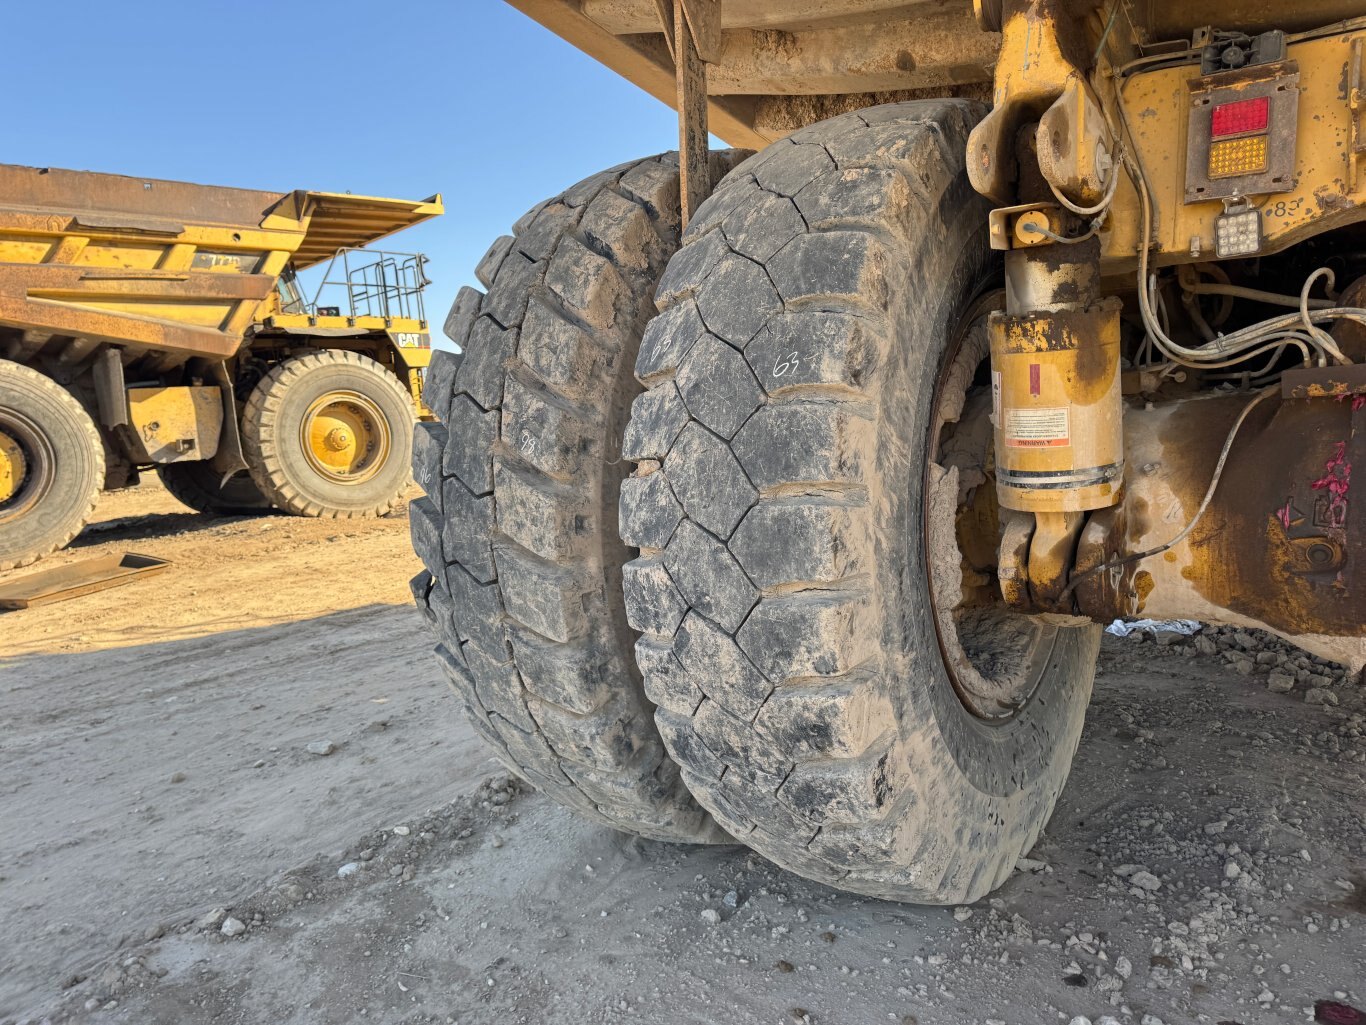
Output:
x=468 y=98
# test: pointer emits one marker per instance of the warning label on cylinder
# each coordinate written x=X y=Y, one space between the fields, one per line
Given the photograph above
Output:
x=1037 y=428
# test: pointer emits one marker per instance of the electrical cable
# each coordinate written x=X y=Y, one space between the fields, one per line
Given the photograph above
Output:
x=1039 y=229
x=1091 y=211
x=1257 y=295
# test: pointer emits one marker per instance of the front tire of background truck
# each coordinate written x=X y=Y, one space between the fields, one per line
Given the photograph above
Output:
x=329 y=434
x=51 y=465
x=518 y=530
x=811 y=665
x=201 y=487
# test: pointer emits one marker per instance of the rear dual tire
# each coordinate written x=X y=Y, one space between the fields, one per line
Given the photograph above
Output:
x=792 y=641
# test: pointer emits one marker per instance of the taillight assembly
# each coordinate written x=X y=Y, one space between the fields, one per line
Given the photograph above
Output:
x=1238 y=142
x=1241 y=136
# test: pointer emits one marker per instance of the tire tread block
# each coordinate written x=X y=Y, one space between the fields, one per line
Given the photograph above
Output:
x=649 y=512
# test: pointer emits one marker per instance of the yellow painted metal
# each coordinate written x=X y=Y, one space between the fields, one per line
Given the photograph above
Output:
x=13 y=467
x=175 y=424
x=1080 y=117
x=345 y=437
x=1074 y=144
x=1327 y=192
x=165 y=266
x=1031 y=74
x=1057 y=409
x=405 y=332
x=339 y=220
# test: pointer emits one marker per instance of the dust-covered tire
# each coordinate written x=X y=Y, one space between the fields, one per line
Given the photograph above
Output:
x=54 y=465
x=518 y=531
x=783 y=586
x=201 y=487
x=277 y=455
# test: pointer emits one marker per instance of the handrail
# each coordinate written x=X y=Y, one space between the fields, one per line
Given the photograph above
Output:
x=382 y=287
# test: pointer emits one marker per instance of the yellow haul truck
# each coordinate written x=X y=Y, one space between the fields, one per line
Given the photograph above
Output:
x=160 y=324
x=781 y=499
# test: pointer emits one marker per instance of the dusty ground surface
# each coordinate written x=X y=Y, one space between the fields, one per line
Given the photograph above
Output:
x=1205 y=862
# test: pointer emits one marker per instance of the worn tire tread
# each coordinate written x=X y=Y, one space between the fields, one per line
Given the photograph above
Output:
x=526 y=604
x=758 y=597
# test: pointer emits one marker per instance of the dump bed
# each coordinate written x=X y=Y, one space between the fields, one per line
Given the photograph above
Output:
x=161 y=266
x=777 y=65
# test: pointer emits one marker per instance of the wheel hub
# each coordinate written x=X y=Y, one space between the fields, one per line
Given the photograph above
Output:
x=345 y=437
x=338 y=440
x=27 y=465
x=13 y=467
x=995 y=657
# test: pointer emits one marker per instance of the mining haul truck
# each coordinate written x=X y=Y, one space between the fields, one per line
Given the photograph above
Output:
x=159 y=324
x=779 y=498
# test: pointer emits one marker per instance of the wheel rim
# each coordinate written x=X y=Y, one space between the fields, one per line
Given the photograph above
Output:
x=345 y=437
x=27 y=465
x=13 y=467
x=995 y=657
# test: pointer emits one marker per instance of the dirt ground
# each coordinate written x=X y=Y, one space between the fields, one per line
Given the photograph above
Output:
x=1205 y=863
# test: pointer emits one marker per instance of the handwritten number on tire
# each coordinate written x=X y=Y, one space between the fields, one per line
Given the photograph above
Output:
x=786 y=365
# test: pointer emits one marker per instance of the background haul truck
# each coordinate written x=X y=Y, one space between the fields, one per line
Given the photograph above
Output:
x=148 y=323
x=780 y=499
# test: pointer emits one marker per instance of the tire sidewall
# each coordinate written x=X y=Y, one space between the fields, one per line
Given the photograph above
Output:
x=279 y=437
x=200 y=486
x=78 y=465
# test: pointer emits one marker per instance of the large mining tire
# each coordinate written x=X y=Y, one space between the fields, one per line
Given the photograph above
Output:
x=799 y=422
x=201 y=487
x=51 y=465
x=329 y=434
x=519 y=527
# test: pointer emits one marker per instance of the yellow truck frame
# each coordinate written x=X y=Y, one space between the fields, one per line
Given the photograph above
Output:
x=158 y=305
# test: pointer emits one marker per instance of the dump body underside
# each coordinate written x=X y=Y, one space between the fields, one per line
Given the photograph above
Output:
x=783 y=64
x=160 y=267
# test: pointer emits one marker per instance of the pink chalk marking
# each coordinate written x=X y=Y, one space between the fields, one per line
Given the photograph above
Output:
x=1337 y=482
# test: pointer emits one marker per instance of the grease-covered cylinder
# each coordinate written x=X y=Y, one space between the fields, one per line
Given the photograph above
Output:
x=1056 y=408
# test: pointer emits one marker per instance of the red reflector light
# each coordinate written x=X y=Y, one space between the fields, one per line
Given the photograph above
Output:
x=1240 y=117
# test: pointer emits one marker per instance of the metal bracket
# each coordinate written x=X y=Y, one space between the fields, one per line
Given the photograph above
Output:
x=1356 y=102
x=1324 y=382
x=229 y=457
x=703 y=18
x=1052 y=550
x=1012 y=564
x=693 y=31
x=1279 y=84
x=1008 y=225
x=110 y=394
